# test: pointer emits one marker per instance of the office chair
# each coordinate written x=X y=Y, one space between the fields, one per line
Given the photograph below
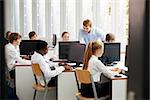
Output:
x=37 y=86
x=84 y=76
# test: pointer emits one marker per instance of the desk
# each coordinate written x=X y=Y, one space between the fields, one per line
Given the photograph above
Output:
x=119 y=89
x=67 y=87
x=24 y=82
x=119 y=85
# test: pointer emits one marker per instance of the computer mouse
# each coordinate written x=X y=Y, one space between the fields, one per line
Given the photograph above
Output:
x=117 y=75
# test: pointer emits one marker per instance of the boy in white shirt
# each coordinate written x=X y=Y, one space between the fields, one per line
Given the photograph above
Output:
x=49 y=69
x=12 y=55
x=12 y=52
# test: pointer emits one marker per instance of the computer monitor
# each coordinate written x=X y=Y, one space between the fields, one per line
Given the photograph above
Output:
x=27 y=47
x=76 y=53
x=64 y=48
x=111 y=53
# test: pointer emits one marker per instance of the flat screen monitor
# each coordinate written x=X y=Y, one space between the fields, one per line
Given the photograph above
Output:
x=76 y=53
x=64 y=48
x=111 y=53
x=27 y=47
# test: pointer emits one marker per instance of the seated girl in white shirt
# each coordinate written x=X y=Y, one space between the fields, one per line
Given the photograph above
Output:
x=49 y=68
x=96 y=68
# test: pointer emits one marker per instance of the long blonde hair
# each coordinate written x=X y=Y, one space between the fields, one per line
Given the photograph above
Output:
x=90 y=50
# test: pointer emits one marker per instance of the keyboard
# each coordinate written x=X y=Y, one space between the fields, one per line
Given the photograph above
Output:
x=60 y=60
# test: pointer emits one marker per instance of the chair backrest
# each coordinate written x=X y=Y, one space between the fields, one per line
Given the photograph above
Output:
x=83 y=76
x=36 y=70
x=38 y=73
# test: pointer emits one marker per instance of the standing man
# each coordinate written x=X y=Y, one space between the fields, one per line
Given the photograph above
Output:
x=88 y=33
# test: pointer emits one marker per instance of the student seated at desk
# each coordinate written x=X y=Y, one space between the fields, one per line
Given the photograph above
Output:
x=96 y=68
x=12 y=55
x=33 y=35
x=65 y=36
x=110 y=38
x=12 y=52
x=49 y=68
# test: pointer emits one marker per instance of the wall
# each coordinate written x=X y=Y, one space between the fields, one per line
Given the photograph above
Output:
x=138 y=82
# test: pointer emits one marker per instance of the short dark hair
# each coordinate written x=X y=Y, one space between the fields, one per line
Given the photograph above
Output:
x=41 y=45
x=64 y=34
x=14 y=36
x=31 y=34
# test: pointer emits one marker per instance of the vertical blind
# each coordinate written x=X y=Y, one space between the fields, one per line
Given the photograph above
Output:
x=47 y=17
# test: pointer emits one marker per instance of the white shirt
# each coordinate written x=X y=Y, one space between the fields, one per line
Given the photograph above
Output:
x=12 y=55
x=96 y=67
x=45 y=67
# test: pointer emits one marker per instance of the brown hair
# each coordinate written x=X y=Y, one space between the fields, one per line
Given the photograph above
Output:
x=87 y=22
x=90 y=50
x=110 y=37
x=31 y=34
x=14 y=36
x=64 y=33
x=7 y=33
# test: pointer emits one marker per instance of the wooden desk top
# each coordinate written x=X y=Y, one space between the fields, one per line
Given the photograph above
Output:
x=22 y=65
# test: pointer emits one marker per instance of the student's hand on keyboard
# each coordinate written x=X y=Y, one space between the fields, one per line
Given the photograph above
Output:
x=26 y=57
x=67 y=67
x=62 y=64
x=116 y=70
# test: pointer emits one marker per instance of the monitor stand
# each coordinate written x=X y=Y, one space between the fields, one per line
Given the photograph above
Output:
x=111 y=64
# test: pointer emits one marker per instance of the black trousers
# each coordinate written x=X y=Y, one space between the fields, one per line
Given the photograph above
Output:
x=52 y=82
x=101 y=89
x=11 y=92
x=12 y=73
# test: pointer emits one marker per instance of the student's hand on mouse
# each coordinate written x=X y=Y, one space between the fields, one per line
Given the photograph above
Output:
x=68 y=67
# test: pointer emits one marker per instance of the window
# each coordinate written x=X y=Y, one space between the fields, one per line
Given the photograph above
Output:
x=27 y=17
x=70 y=25
x=55 y=17
x=48 y=17
x=40 y=27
